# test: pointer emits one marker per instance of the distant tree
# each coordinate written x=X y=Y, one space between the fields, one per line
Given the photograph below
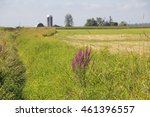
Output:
x=106 y=23
x=100 y=21
x=111 y=22
x=123 y=23
x=91 y=22
x=110 y=19
x=68 y=20
x=114 y=23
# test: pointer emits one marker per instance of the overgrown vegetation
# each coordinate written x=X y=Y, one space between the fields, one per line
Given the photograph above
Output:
x=102 y=22
x=50 y=33
x=12 y=73
x=79 y=65
x=120 y=76
x=51 y=72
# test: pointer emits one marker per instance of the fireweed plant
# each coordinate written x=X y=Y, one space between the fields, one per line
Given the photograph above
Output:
x=80 y=64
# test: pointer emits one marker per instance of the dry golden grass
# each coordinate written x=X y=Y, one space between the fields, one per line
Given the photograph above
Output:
x=106 y=37
x=115 y=43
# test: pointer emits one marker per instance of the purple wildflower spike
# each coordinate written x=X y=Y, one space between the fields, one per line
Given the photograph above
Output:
x=81 y=59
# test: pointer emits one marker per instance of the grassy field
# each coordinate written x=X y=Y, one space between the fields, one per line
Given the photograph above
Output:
x=116 y=40
x=119 y=67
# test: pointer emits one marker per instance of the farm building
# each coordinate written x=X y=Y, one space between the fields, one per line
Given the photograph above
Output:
x=40 y=25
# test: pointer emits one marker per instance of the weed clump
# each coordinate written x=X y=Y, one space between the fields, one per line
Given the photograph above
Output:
x=50 y=33
x=80 y=64
x=12 y=74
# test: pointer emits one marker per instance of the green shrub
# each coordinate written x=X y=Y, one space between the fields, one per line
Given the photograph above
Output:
x=50 y=33
x=12 y=74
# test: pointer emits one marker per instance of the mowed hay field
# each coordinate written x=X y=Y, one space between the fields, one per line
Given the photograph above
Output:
x=115 y=40
x=119 y=67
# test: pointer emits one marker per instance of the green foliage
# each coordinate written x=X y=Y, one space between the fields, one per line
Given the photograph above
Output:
x=100 y=21
x=50 y=76
x=12 y=74
x=9 y=29
x=119 y=76
x=68 y=20
x=110 y=19
x=12 y=36
x=114 y=24
x=50 y=33
x=47 y=62
x=91 y=22
x=123 y=23
x=49 y=72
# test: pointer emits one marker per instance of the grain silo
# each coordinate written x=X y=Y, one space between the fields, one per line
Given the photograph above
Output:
x=49 y=20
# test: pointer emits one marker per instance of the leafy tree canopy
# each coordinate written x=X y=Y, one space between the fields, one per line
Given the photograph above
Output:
x=68 y=20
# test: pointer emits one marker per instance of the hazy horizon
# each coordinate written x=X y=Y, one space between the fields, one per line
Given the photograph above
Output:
x=31 y=12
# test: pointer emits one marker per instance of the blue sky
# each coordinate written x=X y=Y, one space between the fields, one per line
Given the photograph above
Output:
x=31 y=12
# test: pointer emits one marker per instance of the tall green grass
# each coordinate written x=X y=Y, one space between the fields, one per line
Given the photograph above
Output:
x=50 y=76
x=120 y=76
x=12 y=72
x=46 y=61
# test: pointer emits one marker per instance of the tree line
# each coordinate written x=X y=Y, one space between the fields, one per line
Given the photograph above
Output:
x=94 y=22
